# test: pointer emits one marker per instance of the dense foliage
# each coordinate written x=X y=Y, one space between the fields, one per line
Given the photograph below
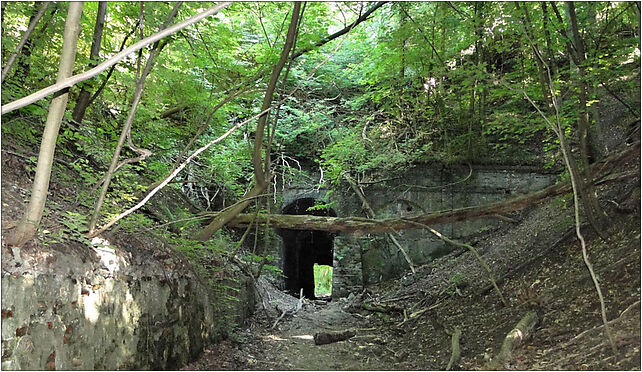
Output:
x=416 y=82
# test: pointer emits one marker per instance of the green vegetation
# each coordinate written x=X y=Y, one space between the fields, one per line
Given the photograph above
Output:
x=413 y=82
x=322 y=280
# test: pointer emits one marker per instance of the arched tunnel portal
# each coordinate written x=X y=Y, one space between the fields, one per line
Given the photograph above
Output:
x=303 y=248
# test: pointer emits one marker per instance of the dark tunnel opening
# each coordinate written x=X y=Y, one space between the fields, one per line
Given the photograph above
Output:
x=303 y=248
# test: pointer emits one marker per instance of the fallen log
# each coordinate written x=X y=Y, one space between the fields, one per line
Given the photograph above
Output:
x=356 y=225
x=521 y=331
x=323 y=338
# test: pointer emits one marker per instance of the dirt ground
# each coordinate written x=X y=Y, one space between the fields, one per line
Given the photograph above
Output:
x=407 y=324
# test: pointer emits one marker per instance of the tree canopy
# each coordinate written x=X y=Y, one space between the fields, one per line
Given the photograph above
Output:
x=367 y=88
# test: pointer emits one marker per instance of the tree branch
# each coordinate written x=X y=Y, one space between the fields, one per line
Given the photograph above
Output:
x=341 y=32
x=73 y=80
x=23 y=40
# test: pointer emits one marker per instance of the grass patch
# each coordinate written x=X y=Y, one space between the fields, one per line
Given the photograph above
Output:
x=322 y=280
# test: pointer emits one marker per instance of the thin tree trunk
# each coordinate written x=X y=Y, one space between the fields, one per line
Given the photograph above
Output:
x=592 y=208
x=32 y=26
x=27 y=227
x=125 y=134
x=540 y=67
x=574 y=177
x=113 y=67
x=3 y=6
x=260 y=175
x=83 y=98
x=547 y=34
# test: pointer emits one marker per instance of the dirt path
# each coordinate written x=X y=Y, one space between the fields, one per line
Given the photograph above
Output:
x=290 y=345
x=556 y=286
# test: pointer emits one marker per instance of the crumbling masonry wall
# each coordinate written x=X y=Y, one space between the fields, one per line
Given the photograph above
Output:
x=366 y=259
x=68 y=307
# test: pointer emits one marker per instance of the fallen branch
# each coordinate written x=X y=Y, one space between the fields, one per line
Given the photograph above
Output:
x=521 y=331
x=474 y=252
x=456 y=350
x=406 y=297
x=278 y=319
x=505 y=218
x=600 y=327
x=407 y=317
x=297 y=307
x=381 y=308
x=323 y=338
x=358 y=225
x=370 y=213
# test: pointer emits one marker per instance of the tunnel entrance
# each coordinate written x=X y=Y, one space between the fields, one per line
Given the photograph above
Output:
x=304 y=248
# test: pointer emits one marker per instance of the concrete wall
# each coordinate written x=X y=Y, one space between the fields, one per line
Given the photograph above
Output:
x=427 y=188
x=134 y=304
x=424 y=189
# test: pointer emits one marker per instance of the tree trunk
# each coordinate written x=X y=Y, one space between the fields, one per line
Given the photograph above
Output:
x=540 y=63
x=138 y=93
x=547 y=34
x=113 y=67
x=24 y=62
x=257 y=156
x=592 y=209
x=25 y=37
x=83 y=97
x=27 y=227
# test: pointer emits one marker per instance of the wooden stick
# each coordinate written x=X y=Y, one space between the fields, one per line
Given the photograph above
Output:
x=521 y=331
x=456 y=350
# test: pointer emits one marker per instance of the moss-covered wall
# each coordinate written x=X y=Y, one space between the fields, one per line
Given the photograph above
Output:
x=132 y=304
